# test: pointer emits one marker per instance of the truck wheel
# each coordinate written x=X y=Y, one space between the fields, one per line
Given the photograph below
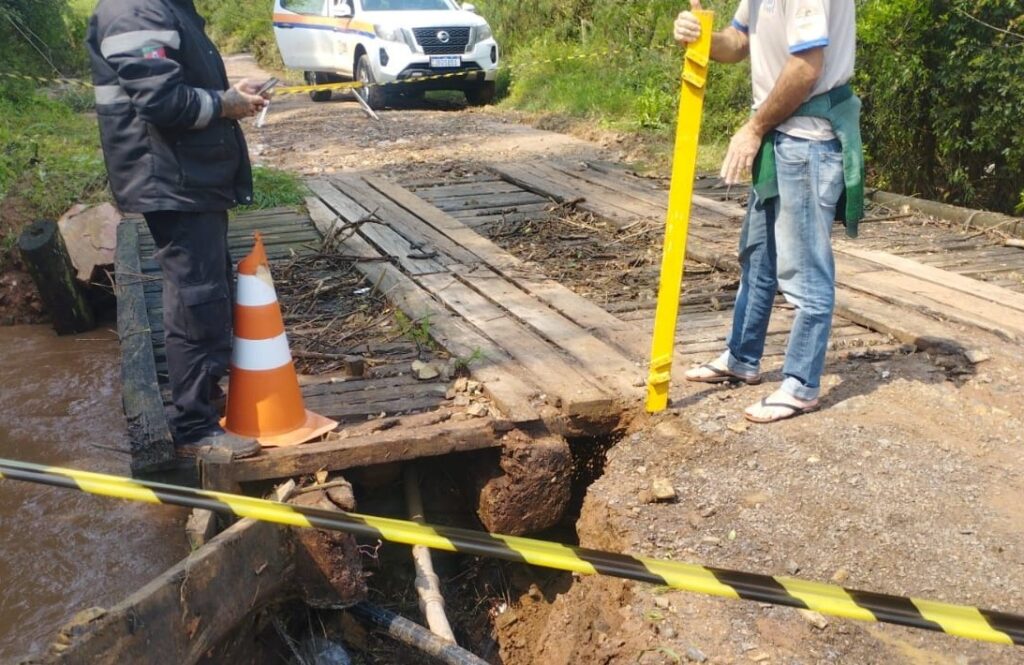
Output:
x=481 y=94
x=318 y=78
x=373 y=95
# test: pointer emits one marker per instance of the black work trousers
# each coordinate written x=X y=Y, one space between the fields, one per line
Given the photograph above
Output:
x=192 y=250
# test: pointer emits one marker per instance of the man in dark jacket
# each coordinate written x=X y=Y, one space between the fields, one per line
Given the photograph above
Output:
x=175 y=153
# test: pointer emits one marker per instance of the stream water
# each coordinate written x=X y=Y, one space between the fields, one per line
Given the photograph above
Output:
x=63 y=551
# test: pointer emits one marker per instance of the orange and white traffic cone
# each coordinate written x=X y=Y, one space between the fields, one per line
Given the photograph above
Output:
x=264 y=400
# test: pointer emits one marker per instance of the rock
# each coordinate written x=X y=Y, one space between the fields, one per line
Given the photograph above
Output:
x=90 y=235
x=477 y=410
x=813 y=459
x=461 y=384
x=424 y=371
x=668 y=430
x=662 y=490
x=739 y=427
x=645 y=496
x=461 y=399
x=662 y=602
x=813 y=618
x=666 y=631
x=474 y=387
x=708 y=512
x=759 y=656
x=695 y=655
x=976 y=356
x=840 y=576
x=792 y=567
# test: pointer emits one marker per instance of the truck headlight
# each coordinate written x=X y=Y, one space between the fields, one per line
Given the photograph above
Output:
x=483 y=32
x=389 y=34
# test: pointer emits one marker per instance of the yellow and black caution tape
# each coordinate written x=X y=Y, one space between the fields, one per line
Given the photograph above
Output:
x=960 y=620
x=44 y=80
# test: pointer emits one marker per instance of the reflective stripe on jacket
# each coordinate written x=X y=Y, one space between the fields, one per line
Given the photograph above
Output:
x=158 y=81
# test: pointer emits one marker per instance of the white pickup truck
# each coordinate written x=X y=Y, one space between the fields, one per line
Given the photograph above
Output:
x=383 y=41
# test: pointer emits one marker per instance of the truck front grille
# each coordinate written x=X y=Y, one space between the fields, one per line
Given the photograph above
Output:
x=432 y=40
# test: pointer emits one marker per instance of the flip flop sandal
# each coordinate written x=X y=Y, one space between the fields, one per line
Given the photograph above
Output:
x=793 y=411
x=719 y=375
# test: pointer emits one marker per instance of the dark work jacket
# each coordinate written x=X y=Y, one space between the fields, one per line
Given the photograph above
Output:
x=158 y=81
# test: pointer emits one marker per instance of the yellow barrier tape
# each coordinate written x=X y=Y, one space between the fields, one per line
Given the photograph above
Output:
x=963 y=621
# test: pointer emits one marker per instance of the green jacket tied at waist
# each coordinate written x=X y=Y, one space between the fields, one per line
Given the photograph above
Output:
x=841 y=108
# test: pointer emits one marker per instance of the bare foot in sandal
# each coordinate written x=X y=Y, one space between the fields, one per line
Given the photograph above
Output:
x=716 y=372
x=780 y=405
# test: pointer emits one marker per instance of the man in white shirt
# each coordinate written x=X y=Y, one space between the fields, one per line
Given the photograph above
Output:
x=801 y=52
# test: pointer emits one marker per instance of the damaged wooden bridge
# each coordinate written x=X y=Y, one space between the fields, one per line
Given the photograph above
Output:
x=552 y=363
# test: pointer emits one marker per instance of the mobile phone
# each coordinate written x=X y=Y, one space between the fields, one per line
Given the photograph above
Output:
x=268 y=86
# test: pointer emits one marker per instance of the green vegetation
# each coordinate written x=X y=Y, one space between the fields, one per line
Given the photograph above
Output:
x=273 y=188
x=941 y=88
x=51 y=156
x=243 y=26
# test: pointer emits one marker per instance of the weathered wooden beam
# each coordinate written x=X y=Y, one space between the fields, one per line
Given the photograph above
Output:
x=149 y=435
x=393 y=445
x=191 y=608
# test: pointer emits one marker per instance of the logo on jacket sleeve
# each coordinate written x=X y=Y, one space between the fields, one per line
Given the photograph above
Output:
x=154 y=52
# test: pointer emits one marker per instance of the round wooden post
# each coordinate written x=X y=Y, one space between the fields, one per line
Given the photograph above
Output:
x=47 y=260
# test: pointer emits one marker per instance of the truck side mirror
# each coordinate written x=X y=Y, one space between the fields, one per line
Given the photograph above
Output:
x=469 y=7
x=340 y=9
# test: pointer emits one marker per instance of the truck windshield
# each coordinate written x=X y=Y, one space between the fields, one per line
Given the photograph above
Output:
x=405 y=5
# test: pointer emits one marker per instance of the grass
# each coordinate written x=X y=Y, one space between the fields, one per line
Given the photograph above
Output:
x=52 y=155
x=274 y=188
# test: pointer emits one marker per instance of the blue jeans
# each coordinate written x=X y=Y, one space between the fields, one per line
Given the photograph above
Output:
x=786 y=245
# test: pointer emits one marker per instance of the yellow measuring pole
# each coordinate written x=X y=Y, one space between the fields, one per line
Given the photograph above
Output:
x=684 y=167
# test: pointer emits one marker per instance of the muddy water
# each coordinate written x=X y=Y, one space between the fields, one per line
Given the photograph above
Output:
x=62 y=551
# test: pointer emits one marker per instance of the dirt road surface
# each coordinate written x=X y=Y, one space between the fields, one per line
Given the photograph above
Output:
x=906 y=482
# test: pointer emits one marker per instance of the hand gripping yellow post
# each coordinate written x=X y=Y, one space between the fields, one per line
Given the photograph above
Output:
x=684 y=166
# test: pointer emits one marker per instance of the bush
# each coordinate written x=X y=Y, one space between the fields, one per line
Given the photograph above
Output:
x=942 y=93
x=243 y=25
x=941 y=88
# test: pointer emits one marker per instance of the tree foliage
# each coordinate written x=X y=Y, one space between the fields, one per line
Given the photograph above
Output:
x=942 y=85
x=942 y=82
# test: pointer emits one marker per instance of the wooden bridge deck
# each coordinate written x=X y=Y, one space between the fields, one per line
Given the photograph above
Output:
x=546 y=356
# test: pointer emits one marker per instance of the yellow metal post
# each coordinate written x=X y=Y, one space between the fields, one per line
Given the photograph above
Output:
x=684 y=166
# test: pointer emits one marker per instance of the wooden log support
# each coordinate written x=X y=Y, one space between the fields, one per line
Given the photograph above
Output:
x=49 y=264
x=328 y=566
x=532 y=489
x=150 y=436
x=187 y=612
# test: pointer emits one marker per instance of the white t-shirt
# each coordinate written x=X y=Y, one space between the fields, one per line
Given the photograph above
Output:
x=778 y=28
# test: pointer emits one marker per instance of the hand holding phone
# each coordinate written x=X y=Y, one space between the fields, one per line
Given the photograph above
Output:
x=269 y=85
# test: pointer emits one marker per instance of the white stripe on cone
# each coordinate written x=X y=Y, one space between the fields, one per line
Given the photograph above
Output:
x=255 y=292
x=259 y=355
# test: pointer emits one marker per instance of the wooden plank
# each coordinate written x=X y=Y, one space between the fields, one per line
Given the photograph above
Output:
x=467 y=189
x=924 y=296
x=391 y=243
x=907 y=326
x=594 y=357
x=576 y=308
x=553 y=372
x=539 y=210
x=392 y=445
x=615 y=207
x=643 y=196
x=945 y=278
x=503 y=379
x=181 y=616
x=149 y=435
x=489 y=201
x=403 y=222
